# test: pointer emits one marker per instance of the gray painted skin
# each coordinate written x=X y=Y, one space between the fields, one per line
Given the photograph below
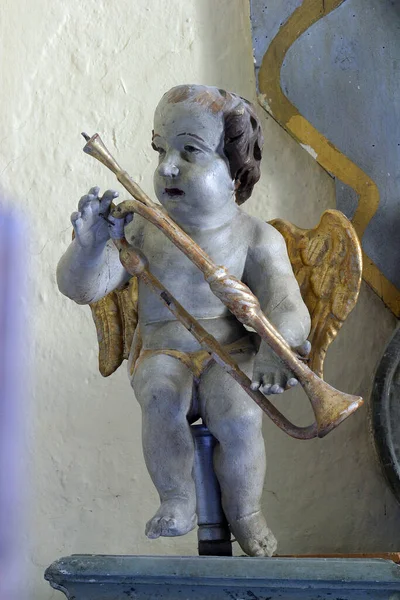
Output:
x=252 y=251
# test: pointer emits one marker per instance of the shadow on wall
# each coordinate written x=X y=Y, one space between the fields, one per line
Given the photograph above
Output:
x=227 y=46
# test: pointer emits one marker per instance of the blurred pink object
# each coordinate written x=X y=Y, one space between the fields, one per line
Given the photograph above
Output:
x=12 y=372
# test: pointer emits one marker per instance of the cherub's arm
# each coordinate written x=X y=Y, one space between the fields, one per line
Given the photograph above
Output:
x=90 y=268
x=269 y=275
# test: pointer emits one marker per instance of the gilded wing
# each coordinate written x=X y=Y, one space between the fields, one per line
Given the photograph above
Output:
x=115 y=317
x=327 y=263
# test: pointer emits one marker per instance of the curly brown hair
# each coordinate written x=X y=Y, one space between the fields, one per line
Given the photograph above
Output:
x=243 y=138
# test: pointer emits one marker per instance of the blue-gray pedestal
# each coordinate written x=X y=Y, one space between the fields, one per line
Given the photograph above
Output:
x=96 y=577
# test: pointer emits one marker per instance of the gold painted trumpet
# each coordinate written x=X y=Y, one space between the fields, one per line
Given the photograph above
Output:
x=330 y=406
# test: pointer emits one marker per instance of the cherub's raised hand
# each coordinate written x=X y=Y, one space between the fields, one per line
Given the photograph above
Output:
x=90 y=221
x=117 y=226
x=270 y=375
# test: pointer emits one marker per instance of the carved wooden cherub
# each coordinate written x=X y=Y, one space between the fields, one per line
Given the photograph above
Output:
x=209 y=145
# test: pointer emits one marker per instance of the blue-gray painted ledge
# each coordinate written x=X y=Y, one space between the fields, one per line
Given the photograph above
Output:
x=97 y=577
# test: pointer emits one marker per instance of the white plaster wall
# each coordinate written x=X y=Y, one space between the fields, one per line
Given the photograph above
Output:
x=102 y=66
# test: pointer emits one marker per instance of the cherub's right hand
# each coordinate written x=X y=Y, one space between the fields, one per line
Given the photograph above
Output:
x=90 y=221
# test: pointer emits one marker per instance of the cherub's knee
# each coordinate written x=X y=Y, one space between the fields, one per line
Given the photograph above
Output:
x=241 y=427
x=163 y=397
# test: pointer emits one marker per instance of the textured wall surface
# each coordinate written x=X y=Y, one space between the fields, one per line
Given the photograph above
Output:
x=101 y=66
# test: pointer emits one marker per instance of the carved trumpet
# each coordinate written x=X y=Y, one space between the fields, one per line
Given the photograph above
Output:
x=330 y=406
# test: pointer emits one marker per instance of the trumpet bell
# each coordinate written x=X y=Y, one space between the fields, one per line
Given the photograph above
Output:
x=331 y=407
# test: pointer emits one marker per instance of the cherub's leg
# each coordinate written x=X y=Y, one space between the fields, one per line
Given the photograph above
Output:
x=235 y=420
x=163 y=387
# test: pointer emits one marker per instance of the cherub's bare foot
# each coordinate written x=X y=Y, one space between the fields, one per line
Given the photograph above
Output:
x=174 y=517
x=253 y=535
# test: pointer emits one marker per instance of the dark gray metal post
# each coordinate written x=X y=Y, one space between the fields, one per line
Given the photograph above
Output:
x=213 y=533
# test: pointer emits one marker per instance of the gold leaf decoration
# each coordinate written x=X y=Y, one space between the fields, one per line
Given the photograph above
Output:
x=327 y=263
x=128 y=305
x=115 y=317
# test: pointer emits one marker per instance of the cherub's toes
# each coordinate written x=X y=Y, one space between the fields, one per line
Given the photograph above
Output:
x=153 y=528
x=258 y=551
x=269 y=545
x=264 y=547
x=167 y=526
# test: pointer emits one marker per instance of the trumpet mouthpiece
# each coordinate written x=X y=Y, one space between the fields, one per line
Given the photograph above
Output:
x=96 y=148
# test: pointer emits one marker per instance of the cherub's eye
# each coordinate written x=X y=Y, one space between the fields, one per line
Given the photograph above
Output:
x=192 y=149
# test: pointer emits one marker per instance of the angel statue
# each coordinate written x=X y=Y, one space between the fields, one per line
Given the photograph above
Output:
x=209 y=144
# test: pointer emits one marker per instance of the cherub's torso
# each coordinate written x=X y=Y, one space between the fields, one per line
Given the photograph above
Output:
x=227 y=245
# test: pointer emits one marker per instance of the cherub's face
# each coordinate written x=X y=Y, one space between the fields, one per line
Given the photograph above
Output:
x=192 y=178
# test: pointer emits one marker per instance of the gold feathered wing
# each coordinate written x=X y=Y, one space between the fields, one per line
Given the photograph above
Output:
x=115 y=317
x=327 y=264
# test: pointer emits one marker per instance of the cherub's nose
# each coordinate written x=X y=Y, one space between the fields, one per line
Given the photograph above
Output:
x=168 y=167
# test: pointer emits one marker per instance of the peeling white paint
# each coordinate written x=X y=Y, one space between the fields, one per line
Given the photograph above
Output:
x=263 y=100
x=310 y=150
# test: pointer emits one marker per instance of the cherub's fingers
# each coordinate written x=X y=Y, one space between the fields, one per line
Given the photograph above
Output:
x=89 y=197
x=292 y=382
x=116 y=227
x=94 y=191
x=273 y=383
x=255 y=384
x=266 y=389
x=86 y=201
x=256 y=379
x=304 y=349
x=83 y=202
x=105 y=201
x=86 y=209
x=267 y=383
x=276 y=389
x=75 y=217
x=281 y=378
x=77 y=223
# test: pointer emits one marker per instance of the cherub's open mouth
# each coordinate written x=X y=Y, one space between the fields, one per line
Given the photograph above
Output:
x=174 y=192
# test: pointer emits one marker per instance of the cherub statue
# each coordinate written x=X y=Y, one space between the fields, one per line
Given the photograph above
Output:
x=209 y=144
